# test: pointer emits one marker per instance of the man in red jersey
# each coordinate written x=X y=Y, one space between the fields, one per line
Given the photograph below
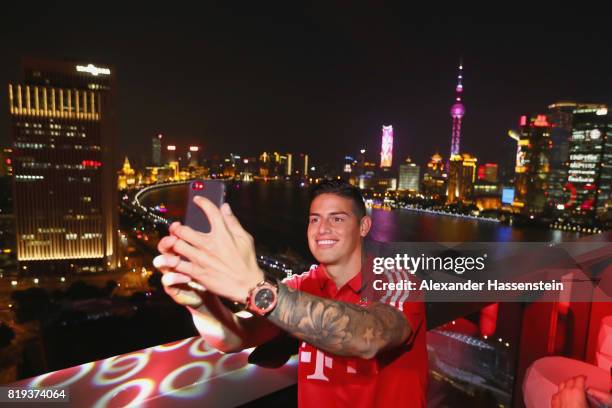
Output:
x=357 y=349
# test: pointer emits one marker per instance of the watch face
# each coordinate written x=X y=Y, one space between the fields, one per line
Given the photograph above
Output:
x=264 y=298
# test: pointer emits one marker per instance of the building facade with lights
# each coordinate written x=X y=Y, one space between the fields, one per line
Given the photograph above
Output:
x=461 y=176
x=409 y=176
x=386 y=151
x=560 y=116
x=589 y=174
x=435 y=178
x=487 y=190
x=63 y=124
x=156 y=150
x=488 y=172
x=532 y=167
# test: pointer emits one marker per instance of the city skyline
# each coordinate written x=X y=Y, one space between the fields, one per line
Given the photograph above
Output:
x=112 y=123
x=227 y=86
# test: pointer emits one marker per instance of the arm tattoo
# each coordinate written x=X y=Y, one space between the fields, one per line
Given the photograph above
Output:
x=338 y=327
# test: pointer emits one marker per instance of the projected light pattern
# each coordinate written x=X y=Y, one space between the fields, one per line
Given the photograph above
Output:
x=142 y=385
x=113 y=370
x=199 y=386
x=386 y=153
x=81 y=371
x=184 y=373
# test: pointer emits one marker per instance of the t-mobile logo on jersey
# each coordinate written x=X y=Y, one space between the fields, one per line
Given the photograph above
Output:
x=321 y=362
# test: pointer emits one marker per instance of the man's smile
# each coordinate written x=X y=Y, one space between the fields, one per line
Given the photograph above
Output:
x=326 y=243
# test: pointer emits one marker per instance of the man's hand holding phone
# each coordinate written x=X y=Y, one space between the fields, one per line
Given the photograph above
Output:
x=222 y=260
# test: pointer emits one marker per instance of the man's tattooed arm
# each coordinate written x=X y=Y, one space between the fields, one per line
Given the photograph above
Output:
x=338 y=327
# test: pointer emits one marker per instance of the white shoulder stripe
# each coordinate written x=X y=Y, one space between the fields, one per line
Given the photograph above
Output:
x=295 y=276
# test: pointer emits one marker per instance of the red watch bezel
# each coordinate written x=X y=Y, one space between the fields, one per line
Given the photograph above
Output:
x=252 y=307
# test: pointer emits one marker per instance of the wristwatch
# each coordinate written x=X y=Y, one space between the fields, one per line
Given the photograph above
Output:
x=262 y=298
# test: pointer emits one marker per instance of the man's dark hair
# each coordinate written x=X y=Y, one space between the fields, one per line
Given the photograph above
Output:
x=344 y=189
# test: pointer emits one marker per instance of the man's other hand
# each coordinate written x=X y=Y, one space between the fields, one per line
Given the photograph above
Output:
x=571 y=394
x=175 y=284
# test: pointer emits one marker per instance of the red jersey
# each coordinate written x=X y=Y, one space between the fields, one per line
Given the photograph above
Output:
x=394 y=378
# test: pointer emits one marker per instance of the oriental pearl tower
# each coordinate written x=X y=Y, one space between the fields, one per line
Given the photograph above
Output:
x=457 y=111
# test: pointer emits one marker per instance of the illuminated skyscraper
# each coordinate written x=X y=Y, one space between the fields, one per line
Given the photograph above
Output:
x=435 y=179
x=289 y=167
x=457 y=112
x=386 y=153
x=170 y=154
x=589 y=175
x=487 y=192
x=532 y=163
x=409 y=176
x=192 y=155
x=63 y=124
x=461 y=176
x=304 y=157
x=156 y=150
x=560 y=115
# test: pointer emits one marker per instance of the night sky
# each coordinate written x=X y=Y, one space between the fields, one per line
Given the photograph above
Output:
x=320 y=79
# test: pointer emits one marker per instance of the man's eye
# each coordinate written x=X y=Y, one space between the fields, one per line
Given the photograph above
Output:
x=338 y=219
x=314 y=220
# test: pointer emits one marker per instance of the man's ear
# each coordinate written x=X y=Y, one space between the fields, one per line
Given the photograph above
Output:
x=364 y=226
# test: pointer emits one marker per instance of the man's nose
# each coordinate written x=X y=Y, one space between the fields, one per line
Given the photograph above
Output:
x=324 y=227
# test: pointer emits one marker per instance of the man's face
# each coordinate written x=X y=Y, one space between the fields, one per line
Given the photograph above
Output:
x=334 y=231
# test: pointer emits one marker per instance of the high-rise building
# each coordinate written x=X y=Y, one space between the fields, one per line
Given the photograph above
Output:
x=170 y=154
x=156 y=150
x=361 y=162
x=386 y=152
x=461 y=176
x=193 y=156
x=560 y=117
x=487 y=191
x=457 y=112
x=289 y=167
x=589 y=175
x=305 y=162
x=409 y=176
x=532 y=163
x=435 y=179
x=63 y=122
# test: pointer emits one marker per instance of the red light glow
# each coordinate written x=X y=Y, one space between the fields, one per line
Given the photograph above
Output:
x=541 y=121
x=523 y=120
x=481 y=172
x=91 y=163
x=197 y=185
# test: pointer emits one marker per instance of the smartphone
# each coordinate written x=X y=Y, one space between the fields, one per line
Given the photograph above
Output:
x=214 y=190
